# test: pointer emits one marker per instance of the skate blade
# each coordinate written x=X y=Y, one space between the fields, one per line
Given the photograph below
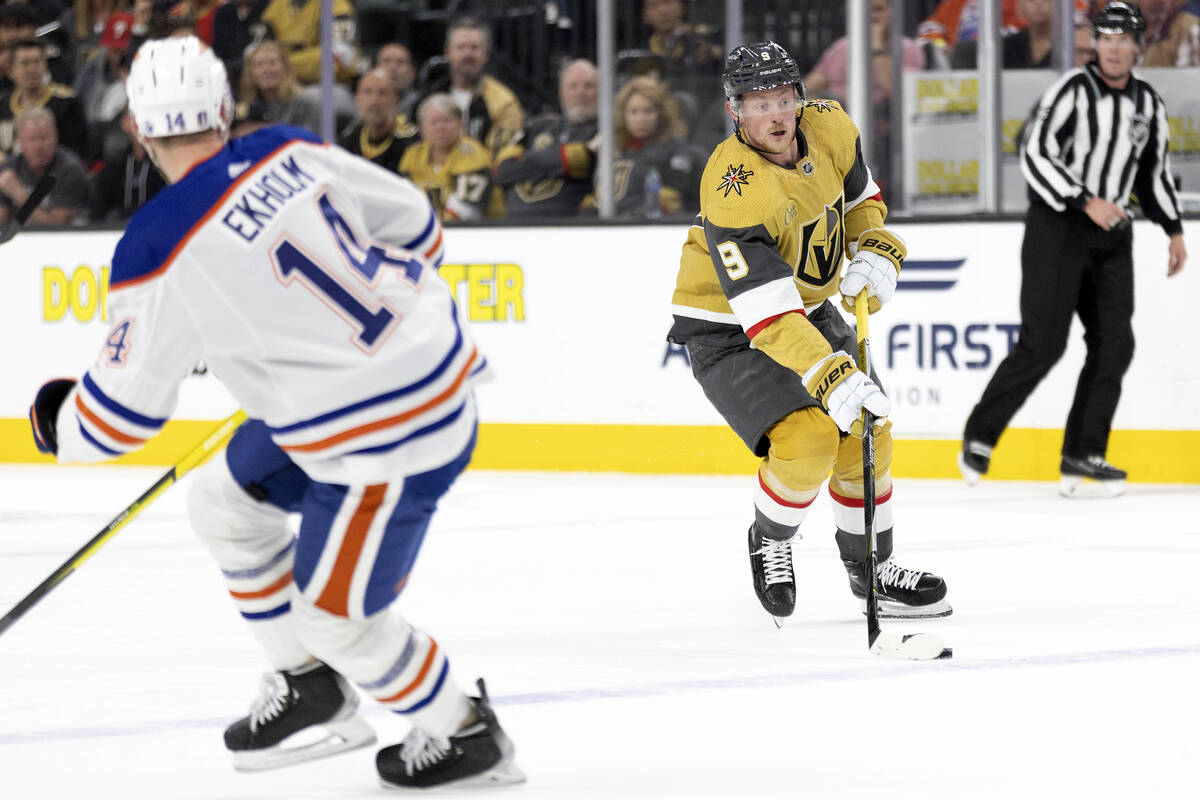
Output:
x=1077 y=487
x=970 y=476
x=911 y=647
x=502 y=774
x=892 y=610
x=339 y=737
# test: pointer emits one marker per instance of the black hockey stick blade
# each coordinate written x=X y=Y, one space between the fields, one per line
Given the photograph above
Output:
x=913 y=646
x=40 y=190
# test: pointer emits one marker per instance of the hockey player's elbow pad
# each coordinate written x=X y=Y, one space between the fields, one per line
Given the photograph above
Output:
x=43 y=414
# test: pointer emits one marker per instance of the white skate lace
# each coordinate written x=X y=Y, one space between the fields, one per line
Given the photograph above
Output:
x=420 y=750
x=777 y=560
x=891 y=574
x=273 y=693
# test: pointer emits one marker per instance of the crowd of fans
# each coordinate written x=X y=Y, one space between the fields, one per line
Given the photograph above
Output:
x=446 y=121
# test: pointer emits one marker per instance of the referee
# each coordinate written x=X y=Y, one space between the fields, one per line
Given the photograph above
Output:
x=1100 y=132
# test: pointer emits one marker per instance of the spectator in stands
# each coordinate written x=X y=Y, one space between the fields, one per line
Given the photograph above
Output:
x=32 y=88
x=492 y=113
x=828 y=79
x=127 y=180
x=100 y=84
x=143 y=10
x=685 y=48
x=268 y=82
x=656 y=172
x=1172 y=34
x=955 y=21
x=397 y=59
x=83 y=22
x=1031 y=47
x=44 y=11
x=452 y=168
x=297 y=24
x=251 y=119
x=549 y=171
x=237 y=27
x=831 y=74
x=16 y=23
x=381 y=135
x=202 y=13
x=37 y=139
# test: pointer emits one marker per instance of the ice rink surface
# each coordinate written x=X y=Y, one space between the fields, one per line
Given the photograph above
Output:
x=614 y=620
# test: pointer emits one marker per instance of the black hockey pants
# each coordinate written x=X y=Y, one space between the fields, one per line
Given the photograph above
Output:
x=1068 y=265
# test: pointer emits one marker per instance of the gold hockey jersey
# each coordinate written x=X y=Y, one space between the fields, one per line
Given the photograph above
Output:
x=458 y=186
x=769 y=239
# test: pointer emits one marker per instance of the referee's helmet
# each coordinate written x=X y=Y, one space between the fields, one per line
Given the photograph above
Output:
x=1120 y=17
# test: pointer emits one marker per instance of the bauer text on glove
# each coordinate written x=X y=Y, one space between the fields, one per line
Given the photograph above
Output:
x=844 y=392
x=878 y=256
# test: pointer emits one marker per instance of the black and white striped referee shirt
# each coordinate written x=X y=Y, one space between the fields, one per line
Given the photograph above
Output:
x=1087 y=139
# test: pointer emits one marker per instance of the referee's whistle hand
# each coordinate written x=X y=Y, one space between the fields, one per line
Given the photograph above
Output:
x=1105 y=214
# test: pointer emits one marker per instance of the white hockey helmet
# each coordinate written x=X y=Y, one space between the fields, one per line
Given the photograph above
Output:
x=178 y=86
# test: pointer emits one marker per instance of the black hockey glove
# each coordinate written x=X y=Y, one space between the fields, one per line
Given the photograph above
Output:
x=43 y=414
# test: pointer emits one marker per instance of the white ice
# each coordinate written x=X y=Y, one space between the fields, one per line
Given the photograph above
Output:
x=613 y=618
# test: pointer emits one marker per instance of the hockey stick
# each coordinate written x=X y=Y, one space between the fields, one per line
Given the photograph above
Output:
x=915 y=646
x=197 y=456
x=40 y=190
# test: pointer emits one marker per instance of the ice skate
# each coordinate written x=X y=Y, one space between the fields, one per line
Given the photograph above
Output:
x=902 y=593
x=771 y=568
x=298 y=716
x=1091 y=476
x=478 y=754
x=974 y=460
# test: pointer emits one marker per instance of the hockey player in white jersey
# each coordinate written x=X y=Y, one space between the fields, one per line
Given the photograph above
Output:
x=305 y=278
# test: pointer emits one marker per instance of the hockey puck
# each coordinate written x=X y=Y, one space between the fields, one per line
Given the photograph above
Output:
x=947 y=652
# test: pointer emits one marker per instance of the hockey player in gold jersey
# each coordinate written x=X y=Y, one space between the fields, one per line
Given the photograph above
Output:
x=782 y=202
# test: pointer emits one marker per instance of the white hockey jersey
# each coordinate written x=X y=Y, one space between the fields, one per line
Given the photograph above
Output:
x=305 y=278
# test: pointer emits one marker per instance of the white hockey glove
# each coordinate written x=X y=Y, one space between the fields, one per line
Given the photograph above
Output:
x=844 y=392
x=878 y=256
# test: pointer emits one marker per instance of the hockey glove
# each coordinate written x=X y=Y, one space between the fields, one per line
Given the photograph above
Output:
x=43 y=414
x=843 y=391
x=878 y=256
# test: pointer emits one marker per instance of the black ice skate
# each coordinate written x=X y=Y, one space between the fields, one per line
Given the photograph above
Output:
x=479 y=754
x=298 y=716
x=771 y=568
x=1090 y=476
x=902 y=593
x=974 y=460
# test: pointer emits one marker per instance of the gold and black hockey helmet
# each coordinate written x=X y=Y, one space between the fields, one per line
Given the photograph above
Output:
x=764 y=65
x=1120 y=17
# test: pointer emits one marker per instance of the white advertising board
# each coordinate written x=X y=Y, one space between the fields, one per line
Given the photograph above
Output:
x=574 y=321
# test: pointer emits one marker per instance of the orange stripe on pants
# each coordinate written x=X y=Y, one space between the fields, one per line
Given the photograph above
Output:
x=400 y=695
x=336 y=596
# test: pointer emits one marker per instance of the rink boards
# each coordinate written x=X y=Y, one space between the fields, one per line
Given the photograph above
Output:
x=574 y=321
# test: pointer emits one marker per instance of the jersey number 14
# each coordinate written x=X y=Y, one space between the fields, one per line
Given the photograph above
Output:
x=372 y=321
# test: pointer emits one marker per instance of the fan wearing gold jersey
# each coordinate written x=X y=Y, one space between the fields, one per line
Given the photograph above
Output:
x=782 y=202
x=453 y=169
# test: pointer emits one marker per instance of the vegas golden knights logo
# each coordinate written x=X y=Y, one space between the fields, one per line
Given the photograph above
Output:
x=822 y=241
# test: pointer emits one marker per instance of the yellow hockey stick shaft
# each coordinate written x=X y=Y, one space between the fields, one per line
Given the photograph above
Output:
x=194 y=458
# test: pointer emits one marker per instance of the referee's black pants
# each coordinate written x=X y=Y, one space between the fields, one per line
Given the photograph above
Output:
x=1068 y=265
